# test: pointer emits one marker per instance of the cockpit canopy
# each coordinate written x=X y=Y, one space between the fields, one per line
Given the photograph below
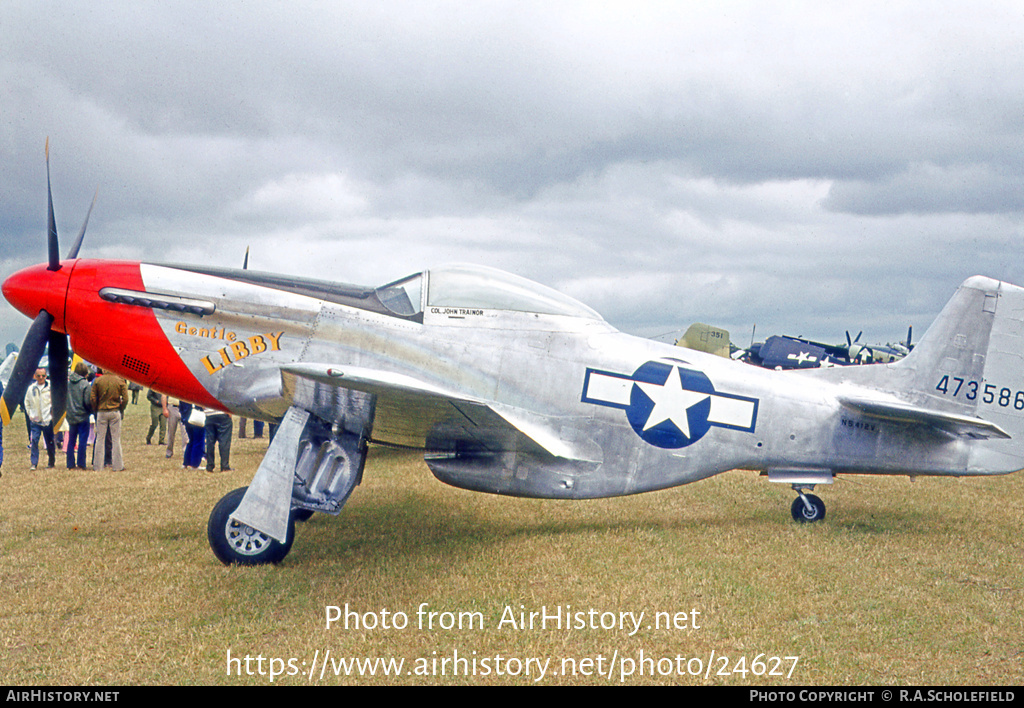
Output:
x=477 y=287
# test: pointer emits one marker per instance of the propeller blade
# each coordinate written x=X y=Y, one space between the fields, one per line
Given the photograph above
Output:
x=28 y=361
x=245 y=263
x=58 y=378
x=52 y=246
x=73 y=253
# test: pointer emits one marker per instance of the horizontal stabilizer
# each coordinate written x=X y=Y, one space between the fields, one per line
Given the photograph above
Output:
x=895 y=411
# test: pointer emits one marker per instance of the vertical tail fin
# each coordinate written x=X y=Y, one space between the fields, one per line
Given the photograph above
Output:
x=970 y=364
x=947 y=369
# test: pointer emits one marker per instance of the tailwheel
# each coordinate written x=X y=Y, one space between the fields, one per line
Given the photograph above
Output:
x=235 y=543
x=808 y=508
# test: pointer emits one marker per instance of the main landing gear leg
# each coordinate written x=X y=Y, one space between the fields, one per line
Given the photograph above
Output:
x=807 y=508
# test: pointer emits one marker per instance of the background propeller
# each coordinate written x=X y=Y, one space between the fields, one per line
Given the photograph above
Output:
x=73 y=252
x=28 y=360
x=40 y=333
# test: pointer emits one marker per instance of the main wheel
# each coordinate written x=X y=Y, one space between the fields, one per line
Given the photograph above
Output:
x=235 y=543
x=302 y=514
x=804 y=515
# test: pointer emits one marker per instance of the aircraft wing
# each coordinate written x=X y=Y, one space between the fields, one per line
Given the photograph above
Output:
x=420 y=414
x=951 y=423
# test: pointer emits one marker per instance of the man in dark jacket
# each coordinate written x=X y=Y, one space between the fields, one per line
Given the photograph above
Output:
x=218 y=433
x=78 y=415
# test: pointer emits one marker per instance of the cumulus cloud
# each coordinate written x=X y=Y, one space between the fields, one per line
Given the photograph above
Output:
x=810 y=168
x=922 y=188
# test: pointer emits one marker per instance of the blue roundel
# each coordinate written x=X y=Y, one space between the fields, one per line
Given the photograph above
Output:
x=666 y=405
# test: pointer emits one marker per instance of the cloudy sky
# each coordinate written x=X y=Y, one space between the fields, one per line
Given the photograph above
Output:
x=804 y=167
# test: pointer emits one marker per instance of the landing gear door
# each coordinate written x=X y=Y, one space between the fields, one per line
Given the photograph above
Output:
x=268 y=501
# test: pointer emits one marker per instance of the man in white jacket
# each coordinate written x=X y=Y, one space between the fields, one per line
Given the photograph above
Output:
x=37 y=405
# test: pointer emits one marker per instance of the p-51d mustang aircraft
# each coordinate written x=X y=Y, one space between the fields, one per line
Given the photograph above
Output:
x=511 y=387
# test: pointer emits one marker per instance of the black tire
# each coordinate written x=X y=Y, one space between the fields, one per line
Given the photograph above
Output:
x=302 y=514
x=808 y=516
x=237 y=544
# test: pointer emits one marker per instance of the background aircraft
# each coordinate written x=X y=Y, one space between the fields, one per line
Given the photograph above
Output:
x=786 y=352
x=510 y=387
x=707 y=338
x=7 y=368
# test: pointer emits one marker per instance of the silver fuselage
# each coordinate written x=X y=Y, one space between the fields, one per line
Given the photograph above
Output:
x=573 y=377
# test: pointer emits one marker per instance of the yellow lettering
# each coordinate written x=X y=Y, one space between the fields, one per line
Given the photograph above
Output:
x=240 y=350
x=203 y=333
x=209 y=365
x=275 y=338
x=192 y=331
x=180 y=328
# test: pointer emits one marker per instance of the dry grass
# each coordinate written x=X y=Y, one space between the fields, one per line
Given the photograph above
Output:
x=107 y=578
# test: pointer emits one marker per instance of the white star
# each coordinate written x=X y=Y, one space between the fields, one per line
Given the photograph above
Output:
x=671 y=402
x=802 y=358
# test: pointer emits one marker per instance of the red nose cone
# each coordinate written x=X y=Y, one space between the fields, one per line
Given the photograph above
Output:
x=35 y=288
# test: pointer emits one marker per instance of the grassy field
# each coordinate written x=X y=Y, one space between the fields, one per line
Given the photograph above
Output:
x=107 y=578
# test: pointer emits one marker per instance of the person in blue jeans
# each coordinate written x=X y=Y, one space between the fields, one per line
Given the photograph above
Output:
x=78 y=410
x=37 y=406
